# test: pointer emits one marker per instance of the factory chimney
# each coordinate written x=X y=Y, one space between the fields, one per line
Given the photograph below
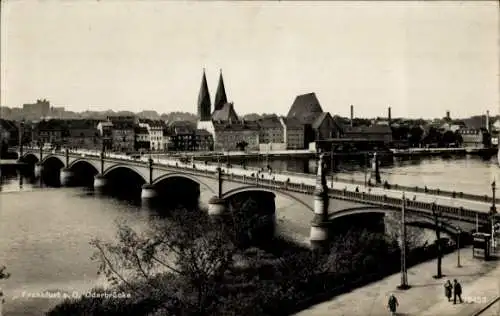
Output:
x=488 y=120
x=352 y=114
x=389 y=118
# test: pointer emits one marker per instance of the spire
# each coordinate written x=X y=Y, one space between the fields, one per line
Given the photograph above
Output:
x=204 y=103
x=220 y=95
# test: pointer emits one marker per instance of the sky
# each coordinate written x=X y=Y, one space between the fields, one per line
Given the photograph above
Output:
x=420 y=58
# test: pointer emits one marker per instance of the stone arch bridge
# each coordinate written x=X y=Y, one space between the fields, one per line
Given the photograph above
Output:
x=325 y=204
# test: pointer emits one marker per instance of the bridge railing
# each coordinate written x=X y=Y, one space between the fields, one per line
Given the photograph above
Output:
x=171 y=162
x=458 y=213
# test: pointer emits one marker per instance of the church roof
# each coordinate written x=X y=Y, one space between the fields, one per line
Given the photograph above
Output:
x=204 y=103
x=220 y=94
x=226 y=113
x=305 y=108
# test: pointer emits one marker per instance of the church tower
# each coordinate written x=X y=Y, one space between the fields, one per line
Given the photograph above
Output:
x=220 y=94
x=204 y=103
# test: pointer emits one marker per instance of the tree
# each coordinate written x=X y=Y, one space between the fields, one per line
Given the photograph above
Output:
x=415 y=136
x=449 y=138
x=414 y=235
x=189 y=248
x=242 y=145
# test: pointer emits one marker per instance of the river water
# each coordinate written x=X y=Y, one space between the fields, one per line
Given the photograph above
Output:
x=45 y=232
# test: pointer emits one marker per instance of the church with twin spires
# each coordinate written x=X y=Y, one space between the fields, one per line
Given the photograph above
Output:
x=223 y=122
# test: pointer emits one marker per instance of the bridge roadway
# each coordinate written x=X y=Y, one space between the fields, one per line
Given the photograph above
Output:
x=306 y=179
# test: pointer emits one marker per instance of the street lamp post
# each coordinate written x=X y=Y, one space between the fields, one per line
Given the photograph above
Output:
x=493 y=212
x=332 y=167
x=404 y=274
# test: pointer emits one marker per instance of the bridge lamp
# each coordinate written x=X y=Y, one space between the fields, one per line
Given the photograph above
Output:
x=459 y=233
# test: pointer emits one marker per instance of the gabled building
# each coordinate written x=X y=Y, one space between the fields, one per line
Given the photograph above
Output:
x=325 y=127
x=49 y=133
x=293 y=133
x=271 y=130
x=318 y=125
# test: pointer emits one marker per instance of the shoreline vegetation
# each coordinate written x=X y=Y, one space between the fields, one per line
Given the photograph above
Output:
x=195 y=265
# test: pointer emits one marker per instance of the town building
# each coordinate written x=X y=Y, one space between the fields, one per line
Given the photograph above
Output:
x=37 y=110
x=82 y=134
x=204 y=140
x=167 y=142
x=156 y=130
x=376 y=133
x=182 y=136
x=142 y=141
x=271 y=131
x=318 y=125
x=293 y=133
x=123 y=136
x=236 y=136
x=49 y=133
x=475 y=137
x=105 y=129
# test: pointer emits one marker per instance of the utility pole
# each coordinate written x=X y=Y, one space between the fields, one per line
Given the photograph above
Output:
x=404 y=274
x=332 y=167
x=366 y=167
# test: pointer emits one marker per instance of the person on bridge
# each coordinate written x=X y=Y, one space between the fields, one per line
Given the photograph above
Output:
x=448 y=288
x=457 y=291
x=392 y=304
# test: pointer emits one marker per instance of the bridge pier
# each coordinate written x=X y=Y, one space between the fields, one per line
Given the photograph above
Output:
x=318 y=235
x=66 y=176
x=38 y=169
x=99 y=183
x=216 y=206
x=148 y=194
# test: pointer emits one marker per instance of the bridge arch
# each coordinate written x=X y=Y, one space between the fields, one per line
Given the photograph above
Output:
x=123 y=166
x=422 y=221
x=83 y=161
x=30 y=158
x=185 y=176
x=52 y=157
x=255 y=188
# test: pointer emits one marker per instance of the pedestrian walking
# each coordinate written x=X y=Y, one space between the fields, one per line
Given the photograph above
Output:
x=448 y=288
x=392 y=304
x=457 y=291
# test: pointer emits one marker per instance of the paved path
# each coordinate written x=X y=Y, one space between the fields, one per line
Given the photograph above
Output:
x=480 y=282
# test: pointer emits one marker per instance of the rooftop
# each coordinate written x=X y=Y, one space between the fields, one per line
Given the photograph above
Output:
x=306 y=108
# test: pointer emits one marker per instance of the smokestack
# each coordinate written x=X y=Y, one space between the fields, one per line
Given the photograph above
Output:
x=389 y=115
x=352 y=114
x=448 y=115
x=488 y=121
